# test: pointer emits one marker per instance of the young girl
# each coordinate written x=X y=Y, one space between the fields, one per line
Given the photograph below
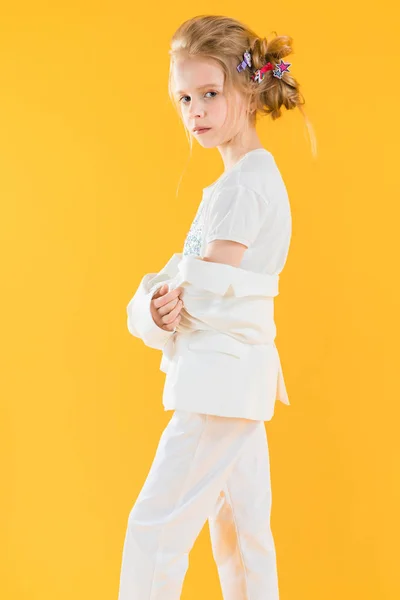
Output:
x=210 y=311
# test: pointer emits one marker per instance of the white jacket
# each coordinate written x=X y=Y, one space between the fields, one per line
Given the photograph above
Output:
x=222 y=359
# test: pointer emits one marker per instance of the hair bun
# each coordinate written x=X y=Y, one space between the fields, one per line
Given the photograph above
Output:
x=279 y=47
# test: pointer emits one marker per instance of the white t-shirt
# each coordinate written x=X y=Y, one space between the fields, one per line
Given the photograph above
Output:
x=249 y=204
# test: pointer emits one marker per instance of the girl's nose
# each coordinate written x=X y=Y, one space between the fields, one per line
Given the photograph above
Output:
x=196 y=112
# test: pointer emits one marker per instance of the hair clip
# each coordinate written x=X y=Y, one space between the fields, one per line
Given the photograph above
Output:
x=281 y=68
x=259 y=74
x=278 y=70
x=245 y=63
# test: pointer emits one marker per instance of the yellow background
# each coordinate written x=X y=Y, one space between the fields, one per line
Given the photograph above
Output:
x=91 y=156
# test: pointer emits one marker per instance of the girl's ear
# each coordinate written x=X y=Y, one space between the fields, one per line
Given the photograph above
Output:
x=251 y=112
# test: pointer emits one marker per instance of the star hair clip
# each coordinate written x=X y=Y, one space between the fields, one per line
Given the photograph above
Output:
x=278 y=70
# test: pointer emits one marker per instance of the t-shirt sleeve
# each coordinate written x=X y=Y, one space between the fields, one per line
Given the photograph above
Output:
x=237 y=213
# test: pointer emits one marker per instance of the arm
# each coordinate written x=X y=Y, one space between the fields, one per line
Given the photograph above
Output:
x=227 y=241
x=139 y=319
x=225 y=251
x=226 y=299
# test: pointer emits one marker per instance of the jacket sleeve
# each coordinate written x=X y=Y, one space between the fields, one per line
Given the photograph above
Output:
x=139 y=320
x=226 y=299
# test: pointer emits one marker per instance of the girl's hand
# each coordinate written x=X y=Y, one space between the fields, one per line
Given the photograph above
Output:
x=165 y=308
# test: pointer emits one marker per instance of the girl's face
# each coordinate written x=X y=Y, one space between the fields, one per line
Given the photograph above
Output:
x=198 y=86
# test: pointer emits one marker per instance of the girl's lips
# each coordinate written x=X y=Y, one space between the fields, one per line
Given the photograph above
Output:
x=203 y=130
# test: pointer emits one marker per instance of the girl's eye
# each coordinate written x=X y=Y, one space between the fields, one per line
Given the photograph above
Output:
x=180 y=99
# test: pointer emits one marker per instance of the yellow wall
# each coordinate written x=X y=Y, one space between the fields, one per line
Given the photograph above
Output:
x=91 y=156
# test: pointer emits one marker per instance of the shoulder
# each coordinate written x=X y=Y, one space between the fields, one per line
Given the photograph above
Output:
x=259 y=172
x=248 y=180
x=236 y=191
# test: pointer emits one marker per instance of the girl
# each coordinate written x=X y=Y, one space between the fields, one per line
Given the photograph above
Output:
x=210 y=310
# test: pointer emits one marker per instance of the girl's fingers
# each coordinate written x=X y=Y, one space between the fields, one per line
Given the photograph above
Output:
x=173 y=313
x=167 y=309
x=171 y=326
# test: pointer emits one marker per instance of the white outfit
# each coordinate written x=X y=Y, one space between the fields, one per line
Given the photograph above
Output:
x=223 y=375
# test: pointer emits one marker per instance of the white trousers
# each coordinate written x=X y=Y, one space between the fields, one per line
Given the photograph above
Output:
x=205 y=467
